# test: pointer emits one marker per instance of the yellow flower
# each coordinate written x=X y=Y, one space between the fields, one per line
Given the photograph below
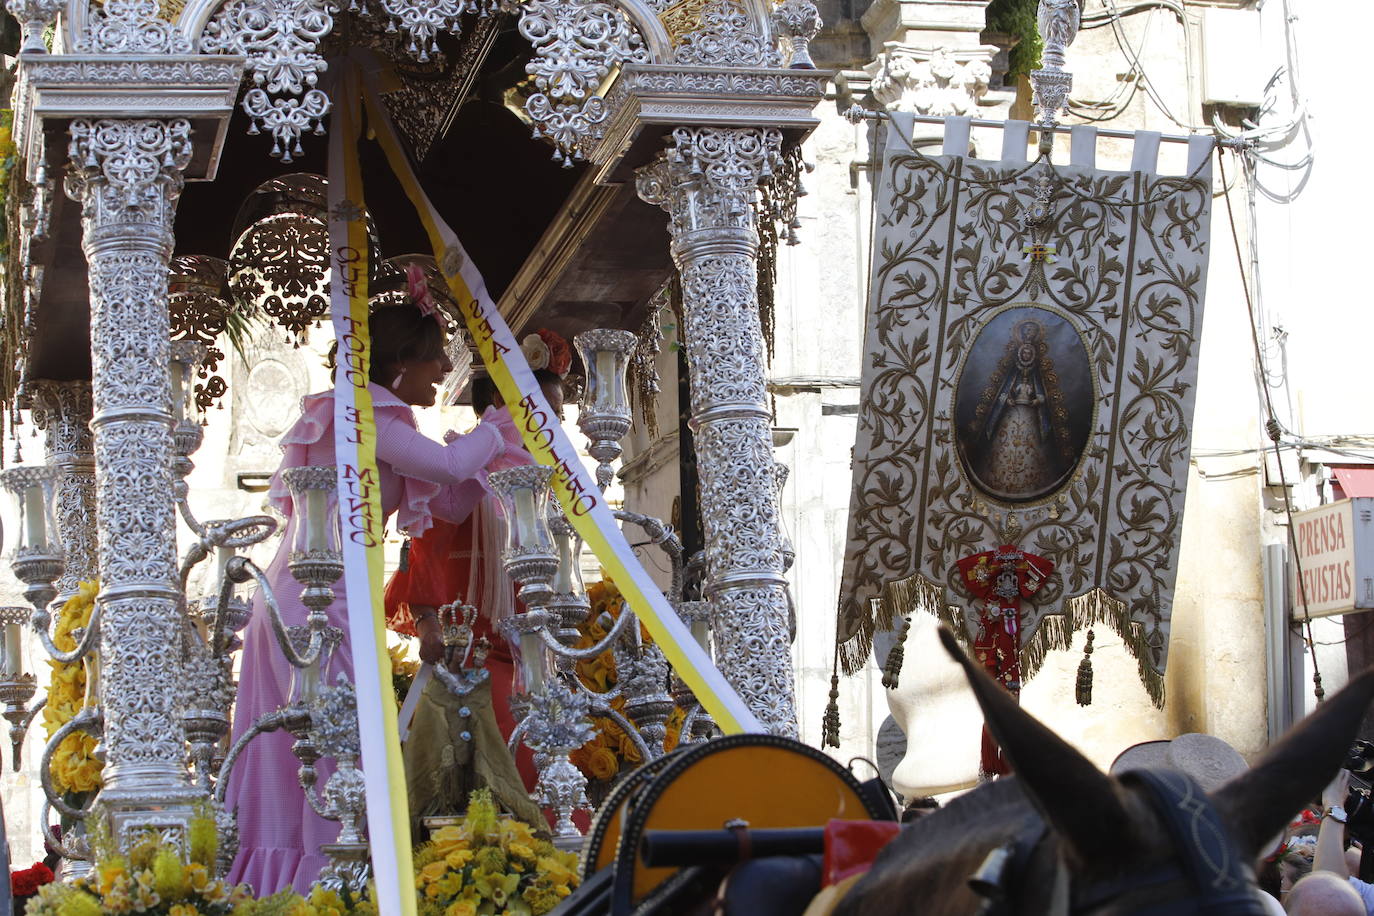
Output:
x=555 y=871
x=461 y=908
x=400 y=663
x=183 y=909
x=447 y=839
x=602 y=763
x=433 y=871
x=204 y=840
x=109 y=872
x=458 y=858
x=79 y=904
x=168 y=873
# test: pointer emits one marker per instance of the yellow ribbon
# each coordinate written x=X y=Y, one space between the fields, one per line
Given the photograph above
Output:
x=582 y=502
x=360 y=515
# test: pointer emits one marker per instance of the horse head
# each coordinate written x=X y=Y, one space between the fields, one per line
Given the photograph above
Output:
x=1061 y=837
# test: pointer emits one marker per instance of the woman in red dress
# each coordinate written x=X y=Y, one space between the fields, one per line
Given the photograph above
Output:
x=462 y=562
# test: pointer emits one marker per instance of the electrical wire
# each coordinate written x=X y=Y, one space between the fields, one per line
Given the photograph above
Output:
x=1275 y=431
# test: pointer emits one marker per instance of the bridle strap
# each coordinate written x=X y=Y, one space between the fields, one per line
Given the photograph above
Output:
x=1204 y=858
x=1202 y=845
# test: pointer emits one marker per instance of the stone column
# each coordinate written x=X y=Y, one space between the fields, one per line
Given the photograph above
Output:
x=708 y=182
x=127 y=175
x=932 y=59
x=63 y=411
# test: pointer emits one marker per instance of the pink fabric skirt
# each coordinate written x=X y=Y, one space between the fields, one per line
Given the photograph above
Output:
x=279 y=833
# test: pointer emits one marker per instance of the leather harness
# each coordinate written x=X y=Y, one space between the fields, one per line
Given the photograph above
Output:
x=1205 y=859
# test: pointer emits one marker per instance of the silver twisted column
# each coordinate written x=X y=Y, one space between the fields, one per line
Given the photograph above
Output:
x=127 y=176
x=63 y=411
x=708 y=182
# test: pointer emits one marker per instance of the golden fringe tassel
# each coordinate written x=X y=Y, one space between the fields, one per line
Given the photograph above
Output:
x=1098 y=607
x=917 y=593
x=899 y=599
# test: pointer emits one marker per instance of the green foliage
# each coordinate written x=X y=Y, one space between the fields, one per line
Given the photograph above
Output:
x=1017 y=17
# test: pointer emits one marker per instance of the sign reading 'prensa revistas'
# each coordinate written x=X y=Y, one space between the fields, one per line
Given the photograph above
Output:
x=1334 y=572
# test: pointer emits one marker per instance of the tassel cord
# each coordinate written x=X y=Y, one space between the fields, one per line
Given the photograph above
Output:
x=1272 y=426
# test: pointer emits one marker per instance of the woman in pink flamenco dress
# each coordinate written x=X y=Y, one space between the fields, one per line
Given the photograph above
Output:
x=279 y=834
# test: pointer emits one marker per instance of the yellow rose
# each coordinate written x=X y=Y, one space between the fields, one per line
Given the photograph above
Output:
x=447 y=839
x=461 y=908
x=458 y=858
x=433 y=871
x=602 y=763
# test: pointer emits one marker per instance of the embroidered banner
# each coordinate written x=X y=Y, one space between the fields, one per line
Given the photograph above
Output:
x=355 y=451
x=1028 y=382
x=543 y=435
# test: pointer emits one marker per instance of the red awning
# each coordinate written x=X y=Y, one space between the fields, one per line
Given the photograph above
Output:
x=1355 y=481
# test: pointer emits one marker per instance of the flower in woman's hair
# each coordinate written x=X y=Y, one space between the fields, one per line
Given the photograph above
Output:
x=535 y=351
x=545 y=349
x=418 y=286
x=560 y=357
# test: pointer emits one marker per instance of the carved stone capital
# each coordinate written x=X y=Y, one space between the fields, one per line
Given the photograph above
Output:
x=939 y=81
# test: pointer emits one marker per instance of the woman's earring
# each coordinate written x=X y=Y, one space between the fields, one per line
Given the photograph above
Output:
x=397 y=380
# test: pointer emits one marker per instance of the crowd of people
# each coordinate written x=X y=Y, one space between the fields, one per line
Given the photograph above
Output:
x=1315 y=869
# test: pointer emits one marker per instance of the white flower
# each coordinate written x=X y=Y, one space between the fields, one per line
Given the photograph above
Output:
x=536 y=352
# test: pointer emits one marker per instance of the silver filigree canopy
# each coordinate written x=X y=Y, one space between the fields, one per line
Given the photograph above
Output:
x=281 y=40
x=576 y=45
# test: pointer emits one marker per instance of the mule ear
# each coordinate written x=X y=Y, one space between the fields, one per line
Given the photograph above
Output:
x=1260 y=802
x=1076 y=797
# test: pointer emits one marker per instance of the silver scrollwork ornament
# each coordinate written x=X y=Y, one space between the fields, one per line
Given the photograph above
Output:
x=131 y=27
x=708 y=183
x=798 y=21
x=576 y=45
x=127 y=175
x=727 y=38
x=281 y=40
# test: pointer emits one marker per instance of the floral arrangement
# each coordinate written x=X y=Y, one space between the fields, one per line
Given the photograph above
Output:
x=492 y=866
x=544 y=349
x=8 y=157
x=611 y=749
x=75 y=769
x=403 y=670
x=153 y=879
x=27 y=881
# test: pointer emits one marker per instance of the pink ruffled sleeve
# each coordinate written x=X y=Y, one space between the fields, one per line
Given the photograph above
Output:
x=412 y=454
x=316 y=420
x=424 y=465
x=455 y=503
